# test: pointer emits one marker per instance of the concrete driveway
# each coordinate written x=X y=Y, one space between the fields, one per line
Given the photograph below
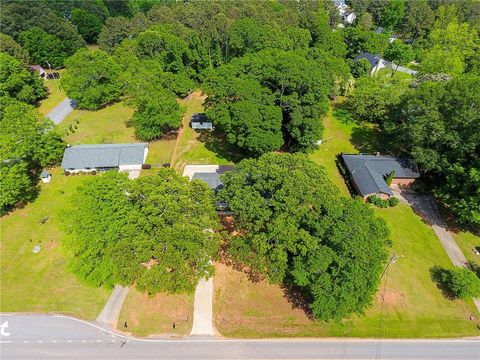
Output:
x=61 y=111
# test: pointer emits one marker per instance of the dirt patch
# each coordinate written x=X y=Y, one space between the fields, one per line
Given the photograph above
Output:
x=390 y=297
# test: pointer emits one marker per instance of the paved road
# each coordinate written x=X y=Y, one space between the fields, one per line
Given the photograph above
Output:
x=60 y=111
x=111 y=311
x=55 y=337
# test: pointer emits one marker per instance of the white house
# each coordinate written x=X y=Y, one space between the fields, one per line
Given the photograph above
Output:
x=346 y=14
x=45 y=176
x=101 y=157
x=200 y=121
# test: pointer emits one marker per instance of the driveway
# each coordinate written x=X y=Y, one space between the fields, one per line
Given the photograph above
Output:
x=61 y=111
x=425 y=206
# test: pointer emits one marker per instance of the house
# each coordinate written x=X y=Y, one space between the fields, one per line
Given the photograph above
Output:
x=367 y=173
x=45 y=176
x=200 y=121
x=347 y=16
x=209 y=174
x=376 y=62
x=101 y=157
x=38 y=69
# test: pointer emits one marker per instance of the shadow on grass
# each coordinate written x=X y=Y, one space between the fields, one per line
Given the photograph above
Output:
x=437 y=274
x=296 y=298
x=369 y=139
x=216 y=143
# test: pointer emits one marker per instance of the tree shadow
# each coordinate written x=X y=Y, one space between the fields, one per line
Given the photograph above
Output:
x=297 y=299
x=369 y=139
x=437 y=275
x=217 y=143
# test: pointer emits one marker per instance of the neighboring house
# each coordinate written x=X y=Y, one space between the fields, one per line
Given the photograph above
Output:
x=200 y=122
x=377 y=63
x=346 y=14
x=38 y=69
x=209 y=174
x=367 y=173
x=101 y=157
x=45 y=176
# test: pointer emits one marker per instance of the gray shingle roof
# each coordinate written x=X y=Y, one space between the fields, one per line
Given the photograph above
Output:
x=103 y=155
x=369 y=171
x=372 y=59
x=212 y=179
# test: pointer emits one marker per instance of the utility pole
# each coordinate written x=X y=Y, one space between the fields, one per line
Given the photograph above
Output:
x=54 y=78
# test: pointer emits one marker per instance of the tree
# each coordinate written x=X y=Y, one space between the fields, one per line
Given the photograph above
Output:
x=374 y=98
x=294 y=227
x=156 y=116
x=92 y=79
x=452 y=45
x=19 y=83
x=361 y=68
x=359 y=40
x=43 y=48
x=418 y=19
x=438 y=125
x=365 y=21
x=115 y=30
x=156 y=231
x=399 y=53
x=392 y=14
x=462 y=283
x=20 y=16
x=11 y=47
x=88 y=25
x=27 y=144
x=389 y=178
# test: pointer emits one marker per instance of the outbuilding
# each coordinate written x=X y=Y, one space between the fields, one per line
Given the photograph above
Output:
x=200 y=121
x=45 y=176
x=101 y=157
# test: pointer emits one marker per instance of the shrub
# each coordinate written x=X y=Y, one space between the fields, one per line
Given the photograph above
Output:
x=461 y=283
x=393 y=201
x=378 y=202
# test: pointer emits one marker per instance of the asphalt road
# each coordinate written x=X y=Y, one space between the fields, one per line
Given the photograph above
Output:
x=54 y=337
x=60 y=111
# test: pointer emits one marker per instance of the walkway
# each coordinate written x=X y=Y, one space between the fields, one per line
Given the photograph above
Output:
x=203 y=308
x=428 y=210
x=60 y=111
x=112 y=308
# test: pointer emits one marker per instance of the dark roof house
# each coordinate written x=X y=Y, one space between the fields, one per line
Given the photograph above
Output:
x=212 y=179
x=368 y=172
x=94 y=156
x=201 y=122
x=376 y=62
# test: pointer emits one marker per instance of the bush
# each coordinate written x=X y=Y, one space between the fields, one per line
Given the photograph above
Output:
x=461 y=283
x=378 y=202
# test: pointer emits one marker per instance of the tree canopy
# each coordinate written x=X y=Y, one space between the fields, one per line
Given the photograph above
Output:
x=92 y=79
x=43 y=48
x=18 y=82
x=155 y=231
x=293 y=226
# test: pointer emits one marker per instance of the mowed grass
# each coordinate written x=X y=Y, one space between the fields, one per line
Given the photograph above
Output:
x=413 y=307
x=409 y=304
x=468 y=241
x=40 y=282
x=145 y=315
x=55 y=95
x=197 y=147
x=104 y=126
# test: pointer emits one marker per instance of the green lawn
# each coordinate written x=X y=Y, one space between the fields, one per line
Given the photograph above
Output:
x=55 y=95
x=413 y=306
x=107 y=125
x=39 y=282
x=467 y=241
x=145 y=315
x=197 y=147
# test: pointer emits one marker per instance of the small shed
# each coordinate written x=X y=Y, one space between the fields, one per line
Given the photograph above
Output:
x=45 y=176
x=38 y=69
x=200 y=121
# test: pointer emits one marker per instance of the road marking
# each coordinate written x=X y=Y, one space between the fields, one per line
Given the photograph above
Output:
x=54 y=341
x=25 y=341
x=69 y=341
x=40 y=341
x=99 y=341
x=84 y=341
x=5 y=342
x=3 y=329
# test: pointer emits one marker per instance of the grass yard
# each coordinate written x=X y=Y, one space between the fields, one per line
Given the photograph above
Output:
x=413 y=306
x=196 y=147
x=107 y=125
x=467 y=241
x=147 y=315
x=55 y=96
x=39 y=282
